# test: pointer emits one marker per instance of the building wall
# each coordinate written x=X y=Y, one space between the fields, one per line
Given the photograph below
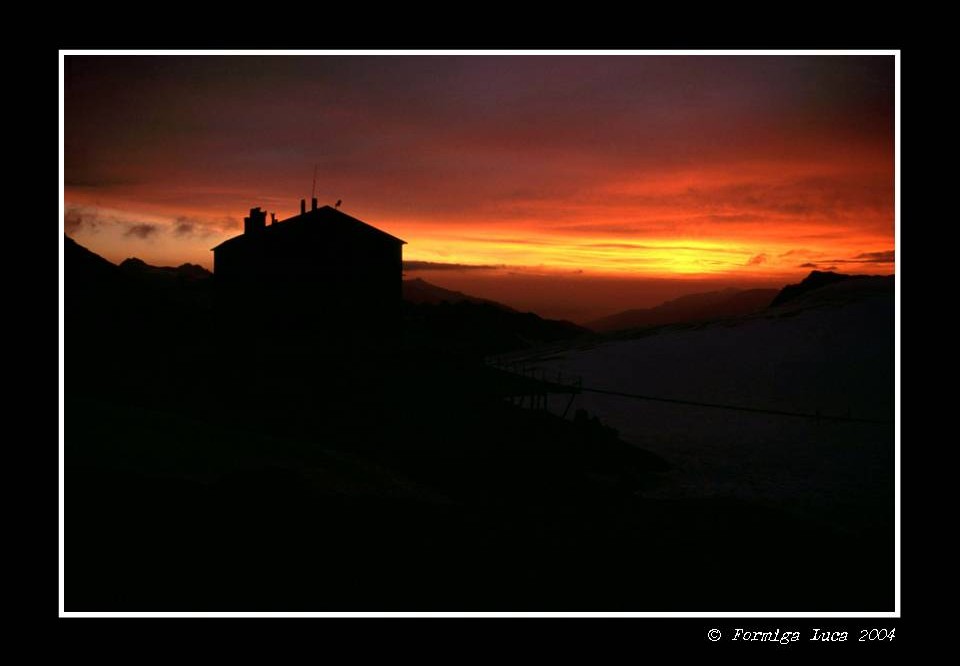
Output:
x=338 y=267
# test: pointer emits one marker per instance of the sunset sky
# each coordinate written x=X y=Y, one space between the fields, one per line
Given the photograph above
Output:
x=571 y=185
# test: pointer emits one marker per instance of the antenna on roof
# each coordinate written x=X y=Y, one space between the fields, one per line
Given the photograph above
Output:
x=313 y=188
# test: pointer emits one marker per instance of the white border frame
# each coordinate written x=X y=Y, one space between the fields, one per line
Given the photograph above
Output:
x=646 y=614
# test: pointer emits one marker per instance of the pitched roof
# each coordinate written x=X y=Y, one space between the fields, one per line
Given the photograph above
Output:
x=325 y=216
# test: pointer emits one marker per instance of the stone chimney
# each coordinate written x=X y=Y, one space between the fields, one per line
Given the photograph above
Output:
x=256 y=221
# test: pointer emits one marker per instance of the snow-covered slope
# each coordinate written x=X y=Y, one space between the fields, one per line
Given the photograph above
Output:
x=829 y=355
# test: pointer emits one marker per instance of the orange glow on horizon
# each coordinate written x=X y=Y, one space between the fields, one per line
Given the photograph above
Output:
x=685 y=225
x=730 y=168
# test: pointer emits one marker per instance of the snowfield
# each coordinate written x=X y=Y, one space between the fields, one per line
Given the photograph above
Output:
x=837 y=360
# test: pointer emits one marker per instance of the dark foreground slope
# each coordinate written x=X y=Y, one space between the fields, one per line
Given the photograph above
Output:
x=217 y=463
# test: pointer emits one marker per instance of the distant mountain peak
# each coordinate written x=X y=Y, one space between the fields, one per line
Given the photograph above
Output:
x=419 y=291
x=132 y=262
x=187 y=271
x=814 y=281
x=720 y=304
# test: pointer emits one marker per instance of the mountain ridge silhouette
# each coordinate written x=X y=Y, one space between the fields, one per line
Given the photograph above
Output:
x=819 y=280
x=690 y=308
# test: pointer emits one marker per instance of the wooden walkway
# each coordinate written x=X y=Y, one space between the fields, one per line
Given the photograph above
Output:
x=525 y=385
